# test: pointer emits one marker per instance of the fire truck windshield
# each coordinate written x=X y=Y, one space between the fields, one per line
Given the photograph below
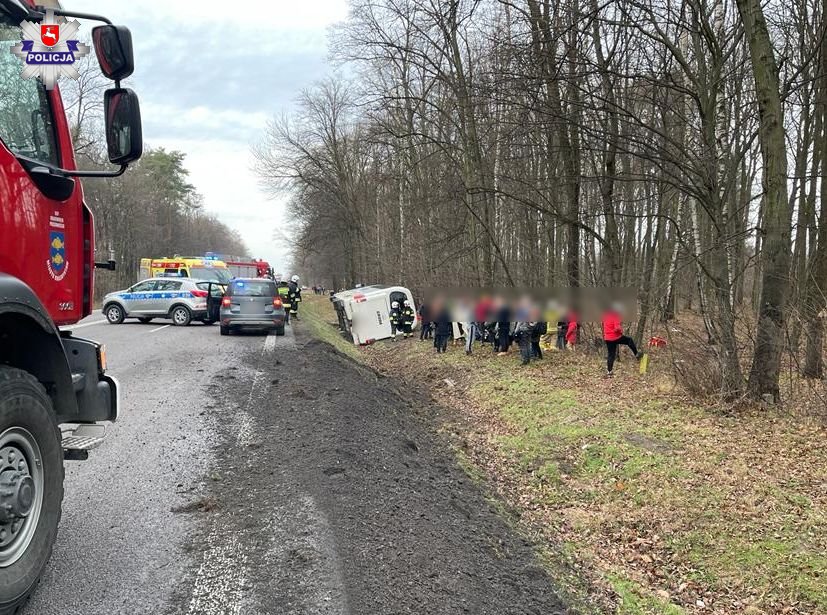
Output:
x=25 y=116
x=210 y=274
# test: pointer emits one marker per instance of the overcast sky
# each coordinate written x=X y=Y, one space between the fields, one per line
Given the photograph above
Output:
x=210 y=74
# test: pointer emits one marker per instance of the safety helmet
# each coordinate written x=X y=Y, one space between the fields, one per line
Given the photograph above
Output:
x=295 y=278
x=406 y=303
x=394 y=304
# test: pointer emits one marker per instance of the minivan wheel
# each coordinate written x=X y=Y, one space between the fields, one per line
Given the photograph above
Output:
x=181 y=316
x=225 y=330
x=114 y=314
x=280 y=330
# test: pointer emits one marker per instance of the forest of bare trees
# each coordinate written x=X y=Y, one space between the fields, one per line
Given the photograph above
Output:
x=674 y=147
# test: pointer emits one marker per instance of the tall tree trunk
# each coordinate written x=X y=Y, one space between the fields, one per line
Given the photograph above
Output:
x=766 y=363
x=817 y=278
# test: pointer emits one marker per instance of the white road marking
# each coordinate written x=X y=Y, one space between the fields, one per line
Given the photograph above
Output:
x=221 y=578
x=159 y=328
x=85 y=324
x=270 y=343
x=246 y=427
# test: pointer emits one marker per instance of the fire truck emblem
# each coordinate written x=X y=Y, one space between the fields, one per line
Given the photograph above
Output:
x=49 y=49
x=57 y=263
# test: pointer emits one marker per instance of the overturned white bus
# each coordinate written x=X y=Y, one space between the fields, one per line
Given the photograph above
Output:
x=364 y=312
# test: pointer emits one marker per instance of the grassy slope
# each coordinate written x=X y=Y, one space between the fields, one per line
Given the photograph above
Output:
x=669 y=506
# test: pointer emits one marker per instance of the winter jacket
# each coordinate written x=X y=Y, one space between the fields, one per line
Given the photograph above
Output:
x=612 y=326
x=571 y=331
x=522 y=330
x=539 y=330
x=284 y=293
x=443 y=325
x=395 y=316
x=295 y=293
x=406 y=316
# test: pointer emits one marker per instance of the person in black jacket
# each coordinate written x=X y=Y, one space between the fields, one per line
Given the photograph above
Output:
x=539 y=329
x=425 y=317
x=406 y=319
x=562 y=327
x=522 y=335
x=395 y=318
x=295 y=295
x=503 y=330
x=442 y=330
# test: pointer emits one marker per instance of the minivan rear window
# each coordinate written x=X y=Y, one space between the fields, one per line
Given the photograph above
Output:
x=252 y=288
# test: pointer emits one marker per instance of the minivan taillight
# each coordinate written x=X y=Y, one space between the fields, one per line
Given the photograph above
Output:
x=199 y=293
x=226 y=302
x=277 y=302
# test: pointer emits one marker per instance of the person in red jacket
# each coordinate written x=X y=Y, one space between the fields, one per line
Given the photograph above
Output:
x=613 y=336
x=571 y=330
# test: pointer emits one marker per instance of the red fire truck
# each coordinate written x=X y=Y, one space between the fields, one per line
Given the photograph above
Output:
x=48 y=377
x=249 y=268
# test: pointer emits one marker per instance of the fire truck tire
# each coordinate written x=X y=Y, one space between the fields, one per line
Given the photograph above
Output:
x=114 y=314
x=28 y=432
x=181 y=315
x=144 y=321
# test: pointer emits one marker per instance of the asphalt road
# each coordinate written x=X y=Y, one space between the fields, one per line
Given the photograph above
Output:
x=257 y=474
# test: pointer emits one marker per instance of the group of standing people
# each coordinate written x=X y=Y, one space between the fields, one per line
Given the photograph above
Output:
x=497 y=325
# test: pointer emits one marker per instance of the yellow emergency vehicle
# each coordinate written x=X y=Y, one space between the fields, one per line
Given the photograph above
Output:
x=199 y=268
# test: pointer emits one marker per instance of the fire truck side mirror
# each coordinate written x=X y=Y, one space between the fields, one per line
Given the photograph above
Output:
x=124 y=136
x=113 y=46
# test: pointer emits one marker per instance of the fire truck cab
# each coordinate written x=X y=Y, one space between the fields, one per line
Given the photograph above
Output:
x=48 y=376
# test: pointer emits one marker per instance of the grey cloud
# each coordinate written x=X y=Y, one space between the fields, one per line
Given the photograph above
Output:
x=218 y=68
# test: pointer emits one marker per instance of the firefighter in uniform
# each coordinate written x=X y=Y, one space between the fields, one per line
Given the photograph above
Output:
x=284 y=292
x=395 y=318
x=407 y=318
x=295 y=296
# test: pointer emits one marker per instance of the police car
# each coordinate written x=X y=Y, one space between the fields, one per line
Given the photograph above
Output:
x=182 y=300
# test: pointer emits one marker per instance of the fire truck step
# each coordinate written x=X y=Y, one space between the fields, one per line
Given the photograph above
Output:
x=78 y=443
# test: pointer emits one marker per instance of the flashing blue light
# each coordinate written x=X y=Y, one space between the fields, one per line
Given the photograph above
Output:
x=240 y=284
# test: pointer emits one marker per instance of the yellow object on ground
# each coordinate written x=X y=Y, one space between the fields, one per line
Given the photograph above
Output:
x=644 y=364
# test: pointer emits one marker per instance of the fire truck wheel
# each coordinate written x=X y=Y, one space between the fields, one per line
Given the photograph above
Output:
x=181 y=316
x=114 y=314
x=31 y=485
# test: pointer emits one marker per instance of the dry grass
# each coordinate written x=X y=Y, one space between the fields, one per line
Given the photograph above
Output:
x=668 y=504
